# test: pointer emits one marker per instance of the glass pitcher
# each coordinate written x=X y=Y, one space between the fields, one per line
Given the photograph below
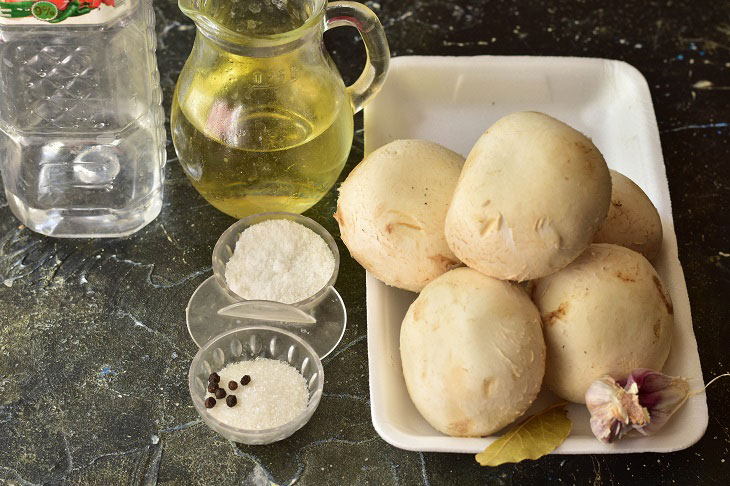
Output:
x=261 y=119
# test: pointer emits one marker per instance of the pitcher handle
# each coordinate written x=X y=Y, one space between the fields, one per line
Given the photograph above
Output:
x=376 y=46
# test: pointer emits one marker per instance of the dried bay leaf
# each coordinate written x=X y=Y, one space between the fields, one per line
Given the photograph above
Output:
x=533 y=438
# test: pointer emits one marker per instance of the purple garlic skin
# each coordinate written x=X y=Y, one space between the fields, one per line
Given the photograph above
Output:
x=661 y=394
x=644 y=403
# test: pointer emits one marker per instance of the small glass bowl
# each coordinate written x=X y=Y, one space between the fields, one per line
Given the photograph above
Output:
x=247 y=344
x=214 y=308
x=227 y=244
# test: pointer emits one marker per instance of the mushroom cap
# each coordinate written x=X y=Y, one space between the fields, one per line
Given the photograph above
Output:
x=531 y=196
x=632 y=219
x=391 y=211
x=606 y=313
x=473 y=353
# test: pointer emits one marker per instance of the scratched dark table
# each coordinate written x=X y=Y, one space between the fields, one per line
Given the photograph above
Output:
x=94 y=352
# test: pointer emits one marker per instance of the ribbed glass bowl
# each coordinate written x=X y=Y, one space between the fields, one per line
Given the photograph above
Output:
x=248 y=344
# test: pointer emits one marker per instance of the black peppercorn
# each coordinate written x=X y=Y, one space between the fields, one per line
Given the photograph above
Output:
x=209 y=402
x=232 y=385
x=220 y=393
x=245 y=380
x=231 y=400
x=212 y=387
x=214 y=378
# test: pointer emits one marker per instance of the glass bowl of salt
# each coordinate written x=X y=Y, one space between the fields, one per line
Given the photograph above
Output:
x=277 y=269
x=271 y=382
x=270 y=243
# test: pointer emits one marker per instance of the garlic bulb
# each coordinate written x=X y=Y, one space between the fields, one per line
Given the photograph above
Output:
x=613 y=410
x=644 y=403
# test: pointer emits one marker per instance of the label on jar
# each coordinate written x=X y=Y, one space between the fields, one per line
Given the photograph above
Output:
x=69 y=12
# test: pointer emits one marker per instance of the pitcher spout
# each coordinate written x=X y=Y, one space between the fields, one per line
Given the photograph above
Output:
x=244 y=20
x=196 y=10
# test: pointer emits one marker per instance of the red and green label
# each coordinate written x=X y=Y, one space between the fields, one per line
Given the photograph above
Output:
x=52 y=11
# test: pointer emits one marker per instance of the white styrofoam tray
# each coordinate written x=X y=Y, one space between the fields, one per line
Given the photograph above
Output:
x=452 y=100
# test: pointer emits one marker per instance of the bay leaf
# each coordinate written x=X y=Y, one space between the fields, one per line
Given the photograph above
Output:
x=532 y=438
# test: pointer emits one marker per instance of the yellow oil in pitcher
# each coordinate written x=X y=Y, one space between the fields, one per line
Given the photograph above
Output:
x=258 y=148
x=261 y=118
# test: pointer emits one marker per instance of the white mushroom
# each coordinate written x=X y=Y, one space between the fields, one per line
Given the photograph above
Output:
x=391 y=212
x=632 y=219
x=531 y=195
x=473 y=353
x=606 y=313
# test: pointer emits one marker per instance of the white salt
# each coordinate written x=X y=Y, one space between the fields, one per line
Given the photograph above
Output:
x=276 y=395
x=279 y=260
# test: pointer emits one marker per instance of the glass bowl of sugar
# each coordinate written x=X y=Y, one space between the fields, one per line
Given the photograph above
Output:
x=256 y=385
x=277 y=269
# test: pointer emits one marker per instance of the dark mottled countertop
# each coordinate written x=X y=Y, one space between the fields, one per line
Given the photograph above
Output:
x=94 y=352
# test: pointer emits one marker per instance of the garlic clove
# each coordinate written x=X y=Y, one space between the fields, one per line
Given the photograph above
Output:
x=614 y=410
x=660 y=394
x=644 y=403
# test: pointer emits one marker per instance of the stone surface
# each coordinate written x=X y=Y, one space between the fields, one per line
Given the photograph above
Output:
x=94 y=353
